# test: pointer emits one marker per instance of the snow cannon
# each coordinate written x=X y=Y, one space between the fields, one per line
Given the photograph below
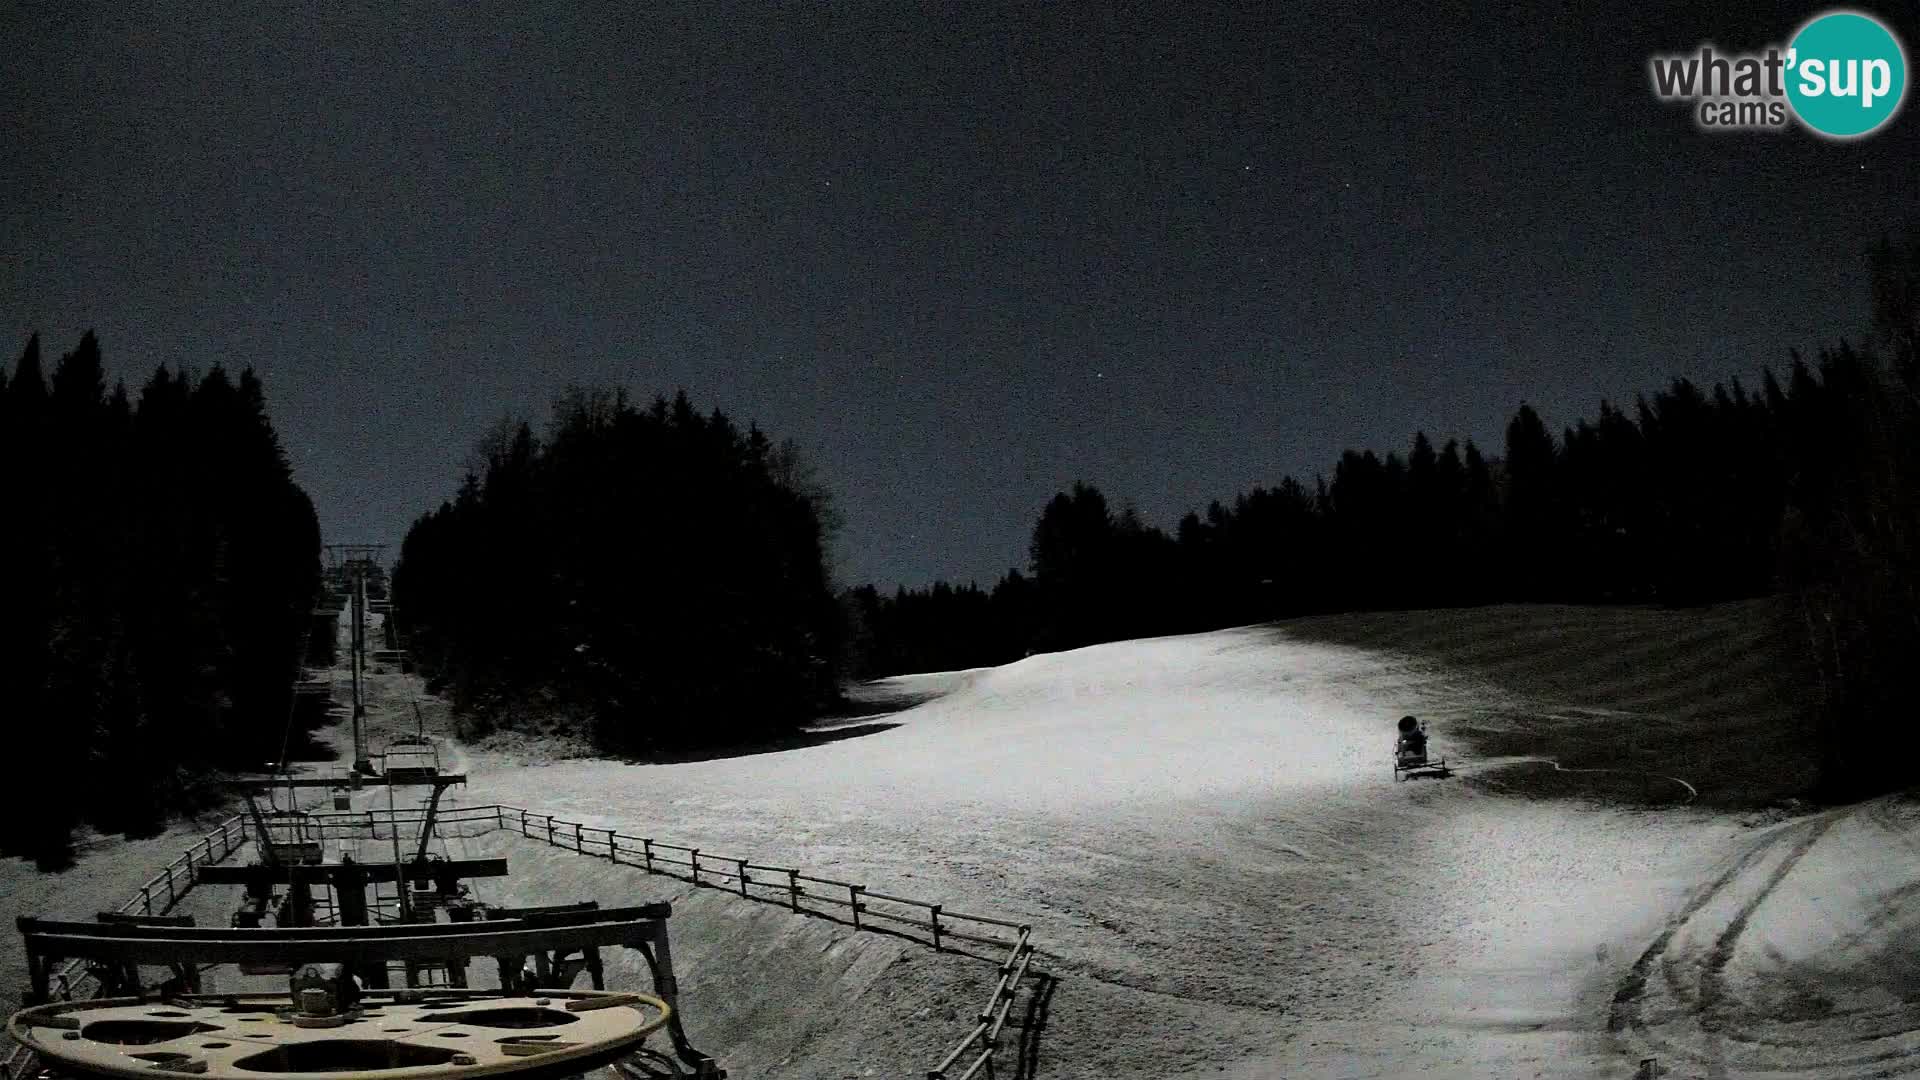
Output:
x=1410 y=752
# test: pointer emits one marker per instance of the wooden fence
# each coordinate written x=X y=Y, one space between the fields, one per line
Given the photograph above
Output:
x=785 y=885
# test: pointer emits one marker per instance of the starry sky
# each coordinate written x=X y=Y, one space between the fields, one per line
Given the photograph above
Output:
x=964 y=254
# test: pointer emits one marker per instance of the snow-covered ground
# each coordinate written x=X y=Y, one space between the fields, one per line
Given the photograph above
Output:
x=1225 y=880
x=1224 y=877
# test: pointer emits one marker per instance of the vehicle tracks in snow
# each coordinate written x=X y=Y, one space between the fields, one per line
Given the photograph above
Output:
x=1679 y=1000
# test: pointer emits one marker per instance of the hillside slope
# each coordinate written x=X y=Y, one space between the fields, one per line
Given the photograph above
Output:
x=1224 y=876
x=1720 y=695
x=1225 y=880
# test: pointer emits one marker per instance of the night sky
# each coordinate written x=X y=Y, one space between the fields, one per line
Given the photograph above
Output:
x=964 y=255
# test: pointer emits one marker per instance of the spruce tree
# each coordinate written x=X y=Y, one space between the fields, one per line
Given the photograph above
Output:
x=1530 y=508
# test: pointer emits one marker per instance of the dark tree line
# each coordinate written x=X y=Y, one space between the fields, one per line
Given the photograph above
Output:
x=1851 y=536
x=161 y=568
x=1679 y=504
x=1811 y=488
x=941 y=628
x=656 y=575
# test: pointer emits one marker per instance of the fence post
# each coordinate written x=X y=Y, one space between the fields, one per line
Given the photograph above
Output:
x=743 y=876
x=793 y=887
x=499 y=816
x=695 y=861
x=146 y=899
x=523 y=824
x=647 y=851
x=578 y=844
x=171 y=898
x=613 y=846
x=853 y=893
x=549 y=828
x=934 y=912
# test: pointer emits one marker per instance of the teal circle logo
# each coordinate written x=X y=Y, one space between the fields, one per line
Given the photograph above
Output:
x=1846 y=74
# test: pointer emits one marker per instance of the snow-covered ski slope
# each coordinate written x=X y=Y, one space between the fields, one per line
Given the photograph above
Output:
x=1227 y=881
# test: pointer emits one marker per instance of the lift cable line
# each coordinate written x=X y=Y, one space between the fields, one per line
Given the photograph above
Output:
x=351 y=565
x=293 y=704
x=311 y=915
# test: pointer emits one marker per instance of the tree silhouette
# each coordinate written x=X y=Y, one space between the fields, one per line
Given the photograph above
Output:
x=653 y=578
x=165 y=567
x=1692 y=496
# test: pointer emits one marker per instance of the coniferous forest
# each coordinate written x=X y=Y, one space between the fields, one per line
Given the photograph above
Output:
x=1806 y=485
x=657 y=579
x=1678 y=502
x=162 y=567
x=654 y=578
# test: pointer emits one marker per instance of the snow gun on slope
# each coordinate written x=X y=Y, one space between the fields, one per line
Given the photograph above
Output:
x=1410 y=752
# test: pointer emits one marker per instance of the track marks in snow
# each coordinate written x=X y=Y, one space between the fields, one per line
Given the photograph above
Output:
x=1700 y=995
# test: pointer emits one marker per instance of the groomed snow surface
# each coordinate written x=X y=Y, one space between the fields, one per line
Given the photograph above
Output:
x=1226 y=881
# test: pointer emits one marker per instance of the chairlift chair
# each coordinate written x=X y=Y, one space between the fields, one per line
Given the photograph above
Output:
x=411 y=760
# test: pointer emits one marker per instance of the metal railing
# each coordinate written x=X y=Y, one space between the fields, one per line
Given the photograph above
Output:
x=159 y=895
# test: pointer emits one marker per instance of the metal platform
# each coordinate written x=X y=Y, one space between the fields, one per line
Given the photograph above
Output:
x=529 y=947
x=401 y=1033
